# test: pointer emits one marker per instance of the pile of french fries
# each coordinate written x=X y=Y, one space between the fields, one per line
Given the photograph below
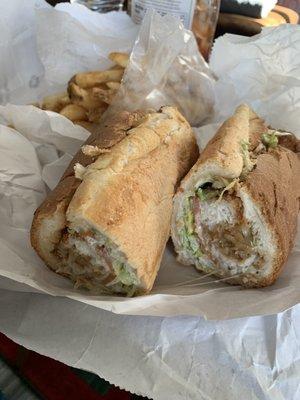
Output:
x=89 y=93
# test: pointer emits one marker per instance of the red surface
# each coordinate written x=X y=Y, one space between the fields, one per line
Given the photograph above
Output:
x=51 y=379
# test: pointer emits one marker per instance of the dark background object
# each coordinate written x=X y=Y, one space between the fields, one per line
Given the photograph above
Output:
x=293 y=4
x=53 y=2
x=247 y=26
x=238 y=7
x=52 y=380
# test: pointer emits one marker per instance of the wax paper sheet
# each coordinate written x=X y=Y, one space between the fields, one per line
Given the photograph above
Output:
x=163 y=358
x=35 y=153
x=182 y=357
x=43 y=47
x=263 y=71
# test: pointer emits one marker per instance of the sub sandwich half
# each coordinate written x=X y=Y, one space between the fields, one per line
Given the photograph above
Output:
x=106 y=224
x=235 y=213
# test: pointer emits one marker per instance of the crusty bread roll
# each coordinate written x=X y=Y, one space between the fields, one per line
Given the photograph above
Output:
x=235 y=213
x=106 y=226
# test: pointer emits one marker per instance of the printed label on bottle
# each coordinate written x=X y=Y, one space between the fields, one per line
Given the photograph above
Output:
x=184 y=9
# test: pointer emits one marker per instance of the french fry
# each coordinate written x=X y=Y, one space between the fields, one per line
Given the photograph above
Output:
x=87 y=80
x=105 y=95
x=84 y=97
x=56 y=102
x=119 y=58
x=116 y=68
x=89 y=93
x=74 y=112
x=113 y=85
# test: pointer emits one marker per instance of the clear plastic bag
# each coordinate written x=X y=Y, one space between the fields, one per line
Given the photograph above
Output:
x=166 y=68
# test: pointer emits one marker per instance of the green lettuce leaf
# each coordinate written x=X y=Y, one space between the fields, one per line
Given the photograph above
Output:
x=270 y=140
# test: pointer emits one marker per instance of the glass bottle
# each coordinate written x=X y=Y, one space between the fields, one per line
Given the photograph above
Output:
x=204 y=24
x=199 y=15
x=102 y=5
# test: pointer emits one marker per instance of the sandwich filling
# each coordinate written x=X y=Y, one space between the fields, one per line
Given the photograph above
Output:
x=94 y=262
x=220 y=230
x=216 y=234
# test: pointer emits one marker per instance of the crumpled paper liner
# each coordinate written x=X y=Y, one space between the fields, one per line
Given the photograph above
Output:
x=42 y=144
x=163 y=358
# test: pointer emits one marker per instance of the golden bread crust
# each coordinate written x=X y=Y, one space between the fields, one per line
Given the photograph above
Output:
x=273 y=185
x=125 y=193
x=128 y=195
x=105 y=136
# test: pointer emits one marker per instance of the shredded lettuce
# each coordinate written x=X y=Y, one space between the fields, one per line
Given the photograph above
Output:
x=125 y=276
x=207 y=194
x=245 y=146
x=254 y=241
x=130 y=290
x=248 y=164
x=220 y=182
x=187 y=234
x=189 y=221
x=200 y=193
x=230 y=185
x=270 y=139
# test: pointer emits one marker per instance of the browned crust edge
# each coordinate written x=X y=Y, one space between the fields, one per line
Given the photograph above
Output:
x=110 y=134
x=106 y=135
x=273 y=184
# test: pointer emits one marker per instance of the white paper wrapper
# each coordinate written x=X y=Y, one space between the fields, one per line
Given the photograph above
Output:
x=21 y=78
x=263 y=71
x=163 y=358
x=43 y=47
x=71 y=38
x=44 y=143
